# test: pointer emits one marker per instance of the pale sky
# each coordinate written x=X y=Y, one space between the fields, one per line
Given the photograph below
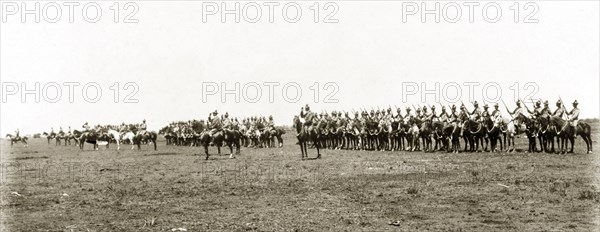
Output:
x=369 y=53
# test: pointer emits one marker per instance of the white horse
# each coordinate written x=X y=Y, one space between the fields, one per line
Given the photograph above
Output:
x=512 y=130
x=129 y=136
x=116 y=136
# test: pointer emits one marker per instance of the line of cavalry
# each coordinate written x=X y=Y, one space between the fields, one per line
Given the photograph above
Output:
x=383 y=130
x=257 y=132
x=380 y=130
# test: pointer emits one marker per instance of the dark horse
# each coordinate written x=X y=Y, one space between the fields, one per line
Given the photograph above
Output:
x=217 y=139
x=88 y=136
x=148 y=136
x=304 y=136
x=568 y=132
x=278 y=133
x=16 y=139
x=232 y=138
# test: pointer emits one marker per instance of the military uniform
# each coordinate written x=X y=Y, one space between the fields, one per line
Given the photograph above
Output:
x=215 y=123
x=560 y=111
x=574 y=114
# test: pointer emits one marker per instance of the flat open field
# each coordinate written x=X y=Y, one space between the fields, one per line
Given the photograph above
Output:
x=50 y=188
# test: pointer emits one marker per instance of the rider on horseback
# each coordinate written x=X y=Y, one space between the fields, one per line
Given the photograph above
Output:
x=432 y=115
x=560 y=111
x=476 y=113
x=85 y=127
x=308 y=116
x=451 y=119
x=270 y=124
x=517 y=113
x=573 y=116
x=485 y=114
x=215 y=123
x=227 y=123
x=142 y=128
x=545 y=110
x=537 y=110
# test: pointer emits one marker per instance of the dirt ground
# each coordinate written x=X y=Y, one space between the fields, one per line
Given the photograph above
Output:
x=57 y=188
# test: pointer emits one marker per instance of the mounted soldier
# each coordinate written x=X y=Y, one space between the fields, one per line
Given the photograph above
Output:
x=485 y=113
x=270 y=124
x=537 y=110
x=408 y=115
x=215 y=123
x=573 y=115
x=227 y=122
x=418 y=114
x=433 y=114
x=443 y=117
x=309 y=117
x=516 y=113
x=476 y=113
x=451 y=119
x=85 y=126
x=546 y=109
x=142 y=128
x=560 y=111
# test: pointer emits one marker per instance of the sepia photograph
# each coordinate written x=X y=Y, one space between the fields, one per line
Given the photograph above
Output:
x=309 y=115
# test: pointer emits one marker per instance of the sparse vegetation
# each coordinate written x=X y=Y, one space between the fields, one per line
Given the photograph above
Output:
x=344 y=191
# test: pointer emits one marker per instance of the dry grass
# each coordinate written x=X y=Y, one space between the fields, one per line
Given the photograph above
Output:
x=64 y=189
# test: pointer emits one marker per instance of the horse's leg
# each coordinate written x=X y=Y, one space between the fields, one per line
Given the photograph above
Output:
x=572 y=140
x=318 y=152
x=206 y=150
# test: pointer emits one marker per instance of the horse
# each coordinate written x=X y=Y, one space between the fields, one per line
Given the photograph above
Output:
x=453 y=132
x=393 y=136
x=512 y=130
x=425 y=132
x=232 y=138
x=217 y=139
x=137 y=139
x=278 y=133
x=413 y=134
x=351 y=135
x=304 y=135
x=265 y=138
x=88 y=136
x=478 y=131
x=112 y=135
x=440 y=138
x=16 y=139
x=494 y=134
x=585 y=131
x=566 y=133
x=49 y=136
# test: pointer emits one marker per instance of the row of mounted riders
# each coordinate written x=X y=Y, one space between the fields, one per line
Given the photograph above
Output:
x=416 y=134
x=263 y=138
x=95 y=137
x=235 y=137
